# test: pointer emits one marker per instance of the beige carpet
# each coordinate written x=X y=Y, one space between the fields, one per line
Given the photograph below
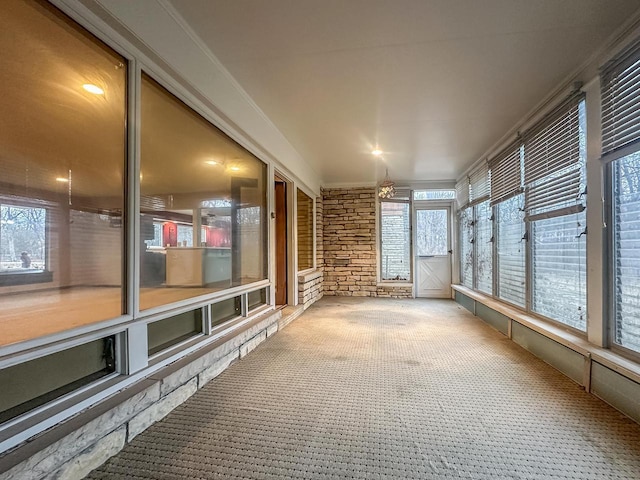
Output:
x=381 y=389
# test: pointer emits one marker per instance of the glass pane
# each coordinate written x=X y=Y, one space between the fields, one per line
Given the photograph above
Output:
x=225 y=310
x=63 y=143
x=257 y=298
x=484 y=248
x=466 y=247
x=511 y=250
x=203 y=205
x=626 y=258
x=432 y=232
x=305 y=231
x=559 y=269
x=173 y=330
x=434 y=195
x=28 y=385
x=395 y=241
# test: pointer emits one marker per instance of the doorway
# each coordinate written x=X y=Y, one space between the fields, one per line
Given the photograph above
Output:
x=280 y=187
x=433 y=252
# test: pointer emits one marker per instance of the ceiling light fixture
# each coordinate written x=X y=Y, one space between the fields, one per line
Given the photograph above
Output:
x=62 y=180
x=91 y=88
x=377 y=152
x=211 y=162
x=234 y=169
x=386 y=189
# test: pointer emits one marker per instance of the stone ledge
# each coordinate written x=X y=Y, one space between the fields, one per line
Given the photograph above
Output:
x=307 y=277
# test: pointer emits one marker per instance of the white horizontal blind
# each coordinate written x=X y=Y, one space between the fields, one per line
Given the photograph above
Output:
x=479 y=185
x=462 y=192
x=553 y=162
x=505 y=177
x=559 y=269
x=510 y=251
x=620 y=84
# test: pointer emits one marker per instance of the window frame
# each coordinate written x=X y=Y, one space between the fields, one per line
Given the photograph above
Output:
x=409 y=203
x=609 y=259
x=299 y=271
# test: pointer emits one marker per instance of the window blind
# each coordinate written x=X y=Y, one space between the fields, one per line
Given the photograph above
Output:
x=553 y=162
x=462 y=192
x=620 y=86
x=505 y=178
x=479 y=185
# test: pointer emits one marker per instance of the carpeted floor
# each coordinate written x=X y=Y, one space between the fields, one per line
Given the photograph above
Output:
x=380 y=389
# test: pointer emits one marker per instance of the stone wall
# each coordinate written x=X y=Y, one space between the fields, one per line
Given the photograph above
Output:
x=93 y=441
x=350 y=245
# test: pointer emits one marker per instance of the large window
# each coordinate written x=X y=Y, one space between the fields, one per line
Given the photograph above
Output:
x=63 y=143
x=511 y=250
x=554 y=160
x=484 y=247
x=395 y=241
x=465 y=222
x=559 y=269
x=621 y=147
x=305 y=230
x=203 y=205
x=626 y=252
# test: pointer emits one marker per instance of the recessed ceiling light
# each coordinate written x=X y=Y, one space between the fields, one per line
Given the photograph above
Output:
x=376 y=152
x=91 y=88
x=234 y=169
x=211 y=162
x=62 y=180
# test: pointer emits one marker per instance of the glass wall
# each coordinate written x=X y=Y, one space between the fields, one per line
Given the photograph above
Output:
x=305 y=230
x=63 y=143
x=202 y=206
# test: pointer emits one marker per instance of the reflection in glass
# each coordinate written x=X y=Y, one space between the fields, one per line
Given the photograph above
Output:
x=62 y=163
x=305 y=231
x=202 y=206
x=256 y=298
x=173 y=330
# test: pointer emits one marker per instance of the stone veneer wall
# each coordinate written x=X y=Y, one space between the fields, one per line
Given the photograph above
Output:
x=349 y=239
x=89 y=444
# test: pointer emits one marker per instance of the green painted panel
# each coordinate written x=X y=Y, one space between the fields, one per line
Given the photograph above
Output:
x=466 y=302
x=496 y=319
x=568 y=361
x=617 y=390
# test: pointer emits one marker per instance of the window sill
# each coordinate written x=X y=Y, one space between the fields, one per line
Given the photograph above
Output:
x=308 y=275
x=391 y=283
x=604 y=356
x=9 y=279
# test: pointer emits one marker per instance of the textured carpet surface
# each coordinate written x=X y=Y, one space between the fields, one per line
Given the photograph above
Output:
x=380 y=389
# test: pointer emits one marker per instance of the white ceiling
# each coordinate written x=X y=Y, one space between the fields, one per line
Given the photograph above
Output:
x=435 y=83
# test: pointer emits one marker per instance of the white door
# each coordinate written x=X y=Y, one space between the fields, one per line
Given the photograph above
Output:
x=433 y=252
